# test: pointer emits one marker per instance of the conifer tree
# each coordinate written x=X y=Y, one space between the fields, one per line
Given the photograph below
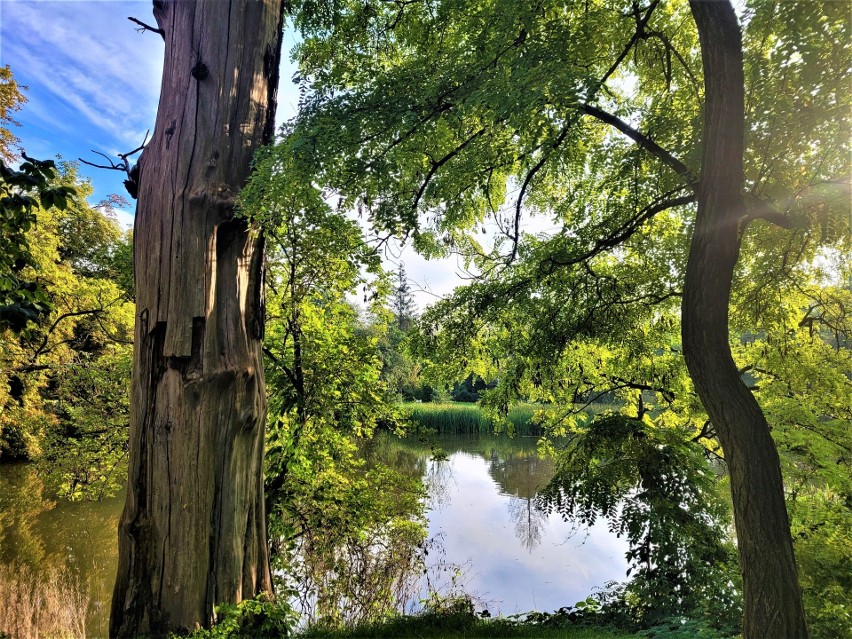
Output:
x=402 y=305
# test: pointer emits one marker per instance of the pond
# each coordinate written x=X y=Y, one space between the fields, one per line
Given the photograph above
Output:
x=481 y=508
x=481 y=511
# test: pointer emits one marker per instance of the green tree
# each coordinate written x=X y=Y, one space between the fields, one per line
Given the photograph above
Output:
x=327 y=397
x=35 y=183
x=66 y=377
x=593 y=114
x=402 y=303
x=11 y=100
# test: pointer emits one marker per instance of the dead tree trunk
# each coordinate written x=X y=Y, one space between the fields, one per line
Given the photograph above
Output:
x=773 y=601
x=193 y=531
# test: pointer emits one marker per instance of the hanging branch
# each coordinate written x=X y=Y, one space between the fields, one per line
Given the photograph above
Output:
x=132 y=172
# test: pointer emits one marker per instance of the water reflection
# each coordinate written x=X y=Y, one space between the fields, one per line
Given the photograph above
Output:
x=520 y=558
x=481 y=513
x=529 y=521
x=53 y=536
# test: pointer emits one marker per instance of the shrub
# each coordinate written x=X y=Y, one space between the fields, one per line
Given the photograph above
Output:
x=258 y=618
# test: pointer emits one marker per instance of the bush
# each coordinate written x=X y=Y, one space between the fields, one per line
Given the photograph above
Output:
x=466 y=396
x=258 y=618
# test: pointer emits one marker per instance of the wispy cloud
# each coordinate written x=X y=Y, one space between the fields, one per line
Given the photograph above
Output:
x=89 y=60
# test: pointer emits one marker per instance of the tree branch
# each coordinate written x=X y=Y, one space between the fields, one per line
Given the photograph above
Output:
x=438 y=164
x=147 y=27
x=132 y=181
x=640 y=28
x=643 y=141
x=765 y=211
x=53 y=326
x=626 y=230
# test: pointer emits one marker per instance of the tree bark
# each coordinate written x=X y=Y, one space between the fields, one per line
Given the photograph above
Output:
x=773 y=602
x=193 y=531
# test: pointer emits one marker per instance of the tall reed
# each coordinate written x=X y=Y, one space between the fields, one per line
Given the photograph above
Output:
x=468 y=419
x=48 y=604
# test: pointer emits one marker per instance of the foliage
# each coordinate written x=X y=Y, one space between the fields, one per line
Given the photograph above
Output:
x=470 y=389
x=65 y=380
x=680 y=628
x=657 y=490
x=34 y=183
x=402 y=303
x=258 y=618
x=463 y=418
x=463 y=624
x=400 y=369
x=797 y=357
x=332 y=521
x=433 y=116
x=11 y=100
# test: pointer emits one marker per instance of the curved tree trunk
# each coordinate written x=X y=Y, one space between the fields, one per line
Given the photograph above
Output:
x=773 y=601
x=193 y=530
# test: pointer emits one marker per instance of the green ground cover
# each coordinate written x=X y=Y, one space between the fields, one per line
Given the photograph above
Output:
x=460 y=627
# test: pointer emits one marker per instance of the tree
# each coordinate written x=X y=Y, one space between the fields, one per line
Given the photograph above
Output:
x=344 y=533
x=65 y=369
x=535 y=111
x=193 y=530
x=772 y=597
x=11 y=100
x=402 y=304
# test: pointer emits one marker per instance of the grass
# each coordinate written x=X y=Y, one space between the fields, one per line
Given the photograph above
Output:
x=41 y=603
x=459 y=418
x=460 y=626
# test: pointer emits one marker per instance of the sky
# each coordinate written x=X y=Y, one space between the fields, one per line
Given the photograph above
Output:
x=93 y=83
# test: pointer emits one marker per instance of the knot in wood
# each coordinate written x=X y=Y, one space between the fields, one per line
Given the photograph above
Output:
x=200 y=71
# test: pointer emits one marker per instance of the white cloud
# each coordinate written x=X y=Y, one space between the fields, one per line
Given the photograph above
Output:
x=90 y=60
x=125 y=217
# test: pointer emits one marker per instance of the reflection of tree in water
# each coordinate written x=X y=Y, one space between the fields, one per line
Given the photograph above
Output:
x=529 y=521
x=521 y=475
x=54 y=536
x=439 y=477
x=22 y=500
x=514 y=465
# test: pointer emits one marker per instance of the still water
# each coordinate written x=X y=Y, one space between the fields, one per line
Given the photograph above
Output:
x=481 y=511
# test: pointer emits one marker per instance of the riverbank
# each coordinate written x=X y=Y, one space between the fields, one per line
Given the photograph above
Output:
x=462 y=627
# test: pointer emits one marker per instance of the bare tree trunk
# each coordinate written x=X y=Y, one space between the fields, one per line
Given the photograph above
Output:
x=193 y=531
x=773 y=600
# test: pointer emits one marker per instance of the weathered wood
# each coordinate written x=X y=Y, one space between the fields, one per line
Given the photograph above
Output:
x=773 y=600
x=193 y=531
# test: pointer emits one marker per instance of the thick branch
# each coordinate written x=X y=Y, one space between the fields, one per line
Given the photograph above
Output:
x=642 y=140
x=765 y=211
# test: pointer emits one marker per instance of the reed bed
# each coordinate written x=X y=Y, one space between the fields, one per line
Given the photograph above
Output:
x=47 y=604
x=459 y=418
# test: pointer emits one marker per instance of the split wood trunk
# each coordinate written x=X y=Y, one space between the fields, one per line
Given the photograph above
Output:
x=193 y=531
x=773 y=601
